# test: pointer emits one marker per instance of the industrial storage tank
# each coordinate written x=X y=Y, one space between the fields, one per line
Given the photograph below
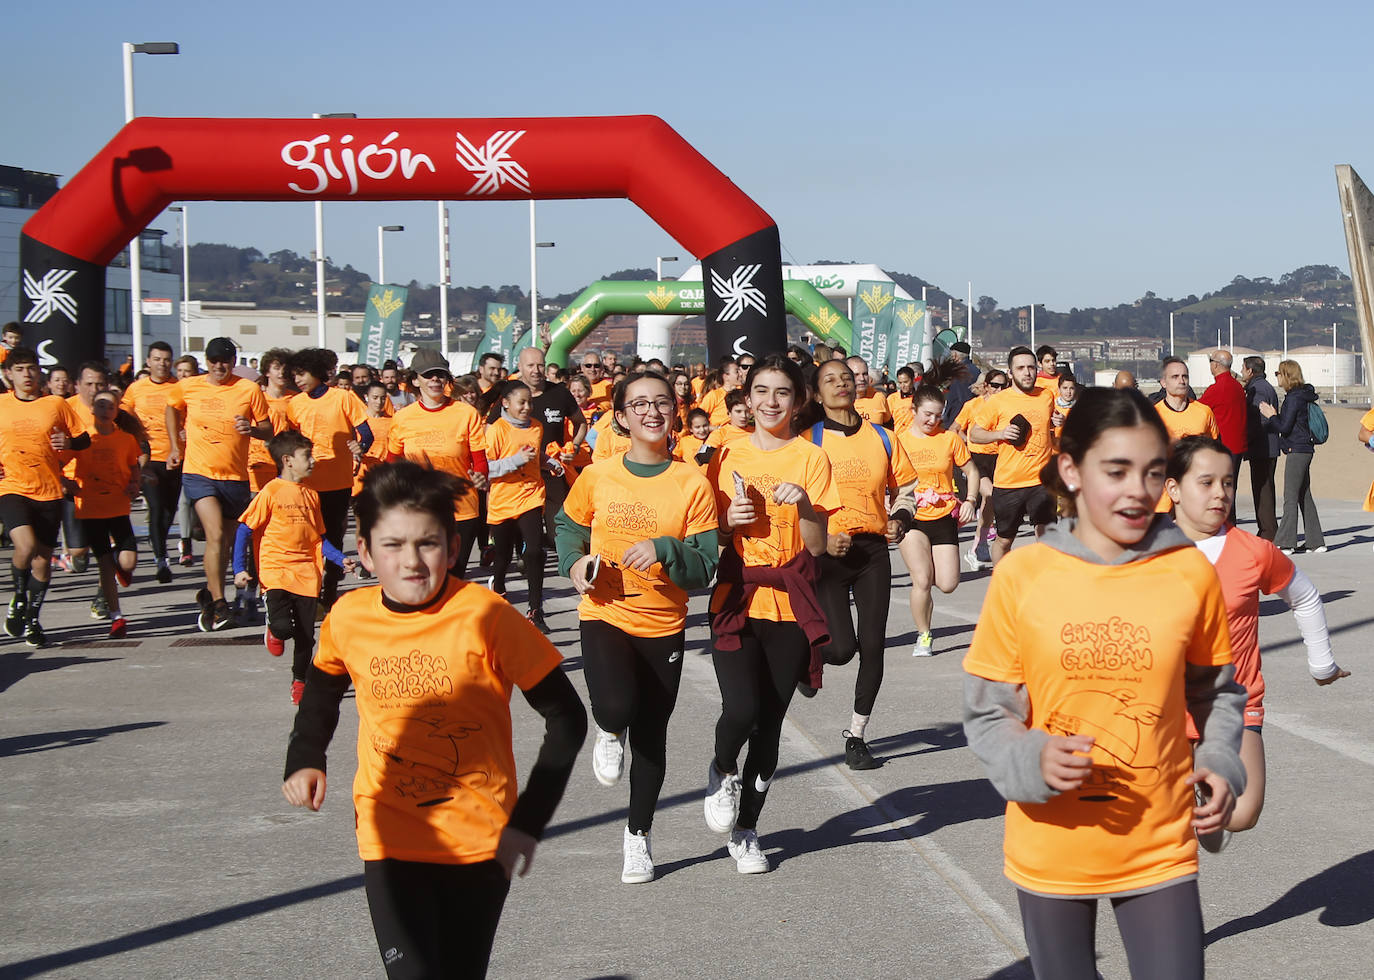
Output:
x=1321 y=366
x=1199 y=371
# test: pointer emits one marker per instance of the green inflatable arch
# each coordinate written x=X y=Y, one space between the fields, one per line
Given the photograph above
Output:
x=606 y=298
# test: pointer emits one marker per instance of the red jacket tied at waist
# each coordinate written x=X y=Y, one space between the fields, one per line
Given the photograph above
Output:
x=798 y=578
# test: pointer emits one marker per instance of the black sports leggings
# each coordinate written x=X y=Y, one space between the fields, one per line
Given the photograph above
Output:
x=528 y=527
x=434 y=920
x=292 y=617
x=467 y=535
x=161 y=490
x=867 y=572
x=334 y=510
x=756 y=685
x=1161 y=930
x=632 y=683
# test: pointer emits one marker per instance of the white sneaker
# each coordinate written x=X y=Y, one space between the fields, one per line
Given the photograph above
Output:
x=608 y=757
x=722 y=799
x=1320 y=551
x=925 y=646
x=639 y=863
x=971 y=560
x=749 y=857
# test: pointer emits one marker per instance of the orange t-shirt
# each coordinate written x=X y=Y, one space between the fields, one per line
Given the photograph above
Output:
x=376 y=453
x=287 y=528
x=87 y=417
x=436 y=778
x=874 y=407
x=900 y=408
x=608 y=442
x=329 y=422
x=964 y=419
x=934 y=458
x=863 y=475
x=1101 y=651
x=147 y=399
x=775 y=536
x=1195 y=420
x=697 y=385
x=1367 y=422
x=515 y=493
x=726 y=434
x=1018 y=468
x=103 y=474
x=688 y=446
x=214 y=448
x=444 y=439
x=601 y=394
x=262 y=468
x=713 y=404
x=32 y=467
x=622 y=509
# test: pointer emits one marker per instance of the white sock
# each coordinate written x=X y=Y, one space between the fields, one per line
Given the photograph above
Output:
x=857 y=724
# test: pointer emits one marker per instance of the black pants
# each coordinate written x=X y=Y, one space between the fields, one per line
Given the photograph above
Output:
x=632 y=683
x=756 y=685
x=292 y=617
x=435 y=920
x=1161 y=930
x=334 y=510
x=161 y=491
x=467 y=535
x=1266 y=501
x=555 y=492
x=867 y=573
x=528 y=527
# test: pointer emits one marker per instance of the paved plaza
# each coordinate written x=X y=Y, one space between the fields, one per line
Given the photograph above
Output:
x=144 y=833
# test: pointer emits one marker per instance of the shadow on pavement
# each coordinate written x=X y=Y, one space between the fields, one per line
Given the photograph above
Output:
x=1020 y=970
x=43 y=741
x=19 y=664
x=181 y=927
x=1344 y=892
x=1273 y=607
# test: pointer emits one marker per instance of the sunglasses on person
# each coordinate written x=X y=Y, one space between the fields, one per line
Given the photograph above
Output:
x=436 y=374
x=996 y=387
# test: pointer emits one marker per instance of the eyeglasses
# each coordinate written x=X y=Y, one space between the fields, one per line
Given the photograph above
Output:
x=640 y=406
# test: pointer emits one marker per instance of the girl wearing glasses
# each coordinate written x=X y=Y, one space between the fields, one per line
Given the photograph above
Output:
x=637 y=532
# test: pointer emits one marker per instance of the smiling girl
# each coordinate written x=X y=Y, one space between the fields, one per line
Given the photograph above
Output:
x=515 y=498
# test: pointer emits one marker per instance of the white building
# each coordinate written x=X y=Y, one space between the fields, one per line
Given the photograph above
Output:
x=255 y=330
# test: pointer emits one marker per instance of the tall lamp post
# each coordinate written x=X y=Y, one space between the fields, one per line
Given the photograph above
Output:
x=319 y=239
x=185 y=276
x=534 y=280
x=381 y=251
x=658 y=264
x=444 y=279
x=136 y=253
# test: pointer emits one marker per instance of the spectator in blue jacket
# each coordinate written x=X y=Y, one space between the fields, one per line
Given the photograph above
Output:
x=1262 y=446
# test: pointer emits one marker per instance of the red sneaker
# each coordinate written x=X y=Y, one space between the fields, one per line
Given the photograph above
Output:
x=123 y=578
x=119 y=628
x=187 y=560
x=274 y=646
x=297 y=689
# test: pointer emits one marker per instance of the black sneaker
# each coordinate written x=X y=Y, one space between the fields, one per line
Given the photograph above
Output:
x=164 y=572
x=33 y=635
x=207 y=610
x=856 y=754
x=81 y=562
x=806 y=690
x=536 y=617
x=221 y=616
x=15 y=618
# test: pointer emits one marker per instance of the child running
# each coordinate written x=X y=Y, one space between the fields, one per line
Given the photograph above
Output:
x=284 y=527
x=106 y=478
x=930 y=548
x=432 y=660
x=774 y=495
x=1090 y=646
x=985 y=461
x=515 y=500
x=636 y=533
x=1201 y=484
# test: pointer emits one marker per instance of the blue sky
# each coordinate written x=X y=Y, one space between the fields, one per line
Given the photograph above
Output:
x=1072 y=154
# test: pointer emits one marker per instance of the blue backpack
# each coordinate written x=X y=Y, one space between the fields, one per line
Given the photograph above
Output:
x=1316 y=422
x=818 y=433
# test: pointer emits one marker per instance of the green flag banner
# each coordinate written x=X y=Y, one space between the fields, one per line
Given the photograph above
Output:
x=872 y=318
x=907 y=338
x=499 y=336
x=382 y=324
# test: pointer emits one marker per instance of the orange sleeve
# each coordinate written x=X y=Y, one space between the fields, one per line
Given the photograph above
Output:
x=259 y=512
x=994 y=653
x=901 y=469
x=1210 y=643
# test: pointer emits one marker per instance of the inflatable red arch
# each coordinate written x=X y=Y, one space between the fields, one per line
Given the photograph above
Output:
x=153 y=162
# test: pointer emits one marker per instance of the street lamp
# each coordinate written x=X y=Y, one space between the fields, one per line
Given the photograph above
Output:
x=658 y=264
x=136 y=253
x=319 y=238
x=185 y=276
x=381 y=253
x=445 y=278
x=534 y=280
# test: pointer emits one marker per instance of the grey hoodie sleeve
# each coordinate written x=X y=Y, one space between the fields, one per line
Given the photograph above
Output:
x=995 y=715
x=1217 y=703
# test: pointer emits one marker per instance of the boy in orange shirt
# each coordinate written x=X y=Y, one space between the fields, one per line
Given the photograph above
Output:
x=739 y=426
x=105 y=481
x=286 y=528
x=433 y=661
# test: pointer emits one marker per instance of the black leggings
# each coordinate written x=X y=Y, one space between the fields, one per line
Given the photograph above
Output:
x=292 y=617
x=555 y=493
x=161 y=490
x=867 y=572
x=434 y=920
x=528 y=527
x=756 y=685
x=632 y=683
x=1161 y=930
x=334 y=510
x=467 y=535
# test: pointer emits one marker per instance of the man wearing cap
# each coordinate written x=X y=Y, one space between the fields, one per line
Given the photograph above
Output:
x=448 y=435
x=219 y=412
x=960 y=352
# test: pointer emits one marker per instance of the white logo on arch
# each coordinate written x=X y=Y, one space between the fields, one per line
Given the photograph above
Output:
x=739 y=292
x=49 y=296
x=491 y=163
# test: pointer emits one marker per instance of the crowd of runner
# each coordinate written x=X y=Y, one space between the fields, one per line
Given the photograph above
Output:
x=1113 y=678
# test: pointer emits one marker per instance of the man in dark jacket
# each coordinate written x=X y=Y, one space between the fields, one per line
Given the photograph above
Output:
x=1262 y=446
x=1226 y=398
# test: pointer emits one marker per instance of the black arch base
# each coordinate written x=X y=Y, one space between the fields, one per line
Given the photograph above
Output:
x=61 y=304
x=744 y=301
